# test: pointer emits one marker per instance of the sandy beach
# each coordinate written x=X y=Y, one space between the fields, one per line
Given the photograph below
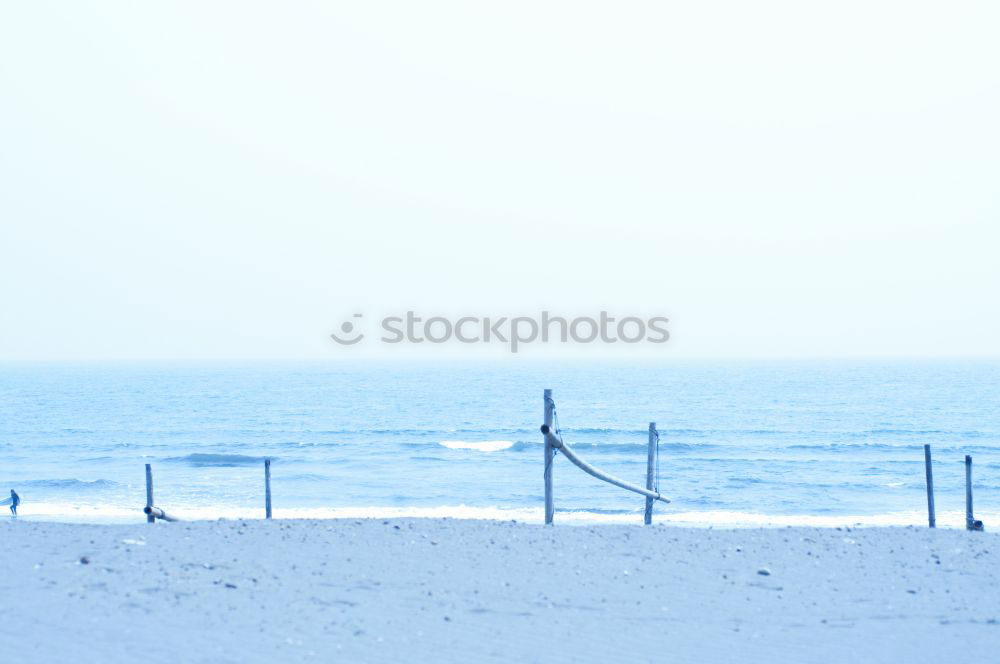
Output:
x=459 y=590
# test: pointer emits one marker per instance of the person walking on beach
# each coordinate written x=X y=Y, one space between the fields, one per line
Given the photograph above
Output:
x=15 y=500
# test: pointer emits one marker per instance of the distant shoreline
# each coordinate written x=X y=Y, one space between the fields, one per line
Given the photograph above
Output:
x=92 y=514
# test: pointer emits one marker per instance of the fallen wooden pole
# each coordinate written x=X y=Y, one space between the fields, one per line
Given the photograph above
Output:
x=267 y=488
x=157 y=513
x=549 y=457
x=931 y=521
x=970 y=522
x=551 y=439
x=149 y=493
x=647 y=518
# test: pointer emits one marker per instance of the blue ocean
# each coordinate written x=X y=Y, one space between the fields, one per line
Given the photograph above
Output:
x=741 y=443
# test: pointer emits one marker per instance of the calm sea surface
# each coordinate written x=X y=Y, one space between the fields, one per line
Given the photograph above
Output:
x=741 y=442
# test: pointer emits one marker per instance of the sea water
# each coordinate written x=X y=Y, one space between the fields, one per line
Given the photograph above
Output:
x=740 y=442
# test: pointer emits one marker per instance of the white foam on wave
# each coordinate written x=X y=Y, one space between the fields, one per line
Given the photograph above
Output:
x=67 y=513
x=479 y=446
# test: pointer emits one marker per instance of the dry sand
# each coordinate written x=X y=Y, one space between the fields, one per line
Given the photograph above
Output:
x=455 y=590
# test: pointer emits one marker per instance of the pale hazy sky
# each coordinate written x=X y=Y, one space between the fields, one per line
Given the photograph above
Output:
x=233 y=179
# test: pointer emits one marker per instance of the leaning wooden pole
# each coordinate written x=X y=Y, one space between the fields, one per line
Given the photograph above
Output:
x=571 y=456
x=267 y=488
x=149 y=493
x=549 y=457
x=650 y=470
x=931 y=520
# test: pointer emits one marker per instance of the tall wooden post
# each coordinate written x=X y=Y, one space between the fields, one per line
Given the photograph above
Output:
x=970 y=522
x=931 y=521
x=149 y=493
x=267 y=488
x=549 y=458
x=650 y=470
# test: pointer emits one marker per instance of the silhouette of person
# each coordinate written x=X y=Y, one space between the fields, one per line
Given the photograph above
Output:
x=15 y=500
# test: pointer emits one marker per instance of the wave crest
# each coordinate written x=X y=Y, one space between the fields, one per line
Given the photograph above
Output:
x=478 y=446
x=223 y=460
x=68 y=484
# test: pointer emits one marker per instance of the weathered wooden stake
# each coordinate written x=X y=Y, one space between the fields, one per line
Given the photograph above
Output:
x=549 y=458
x=931 y=521
x=267 y=488
x=650 y=460
x=149 y=493
x=970 y=522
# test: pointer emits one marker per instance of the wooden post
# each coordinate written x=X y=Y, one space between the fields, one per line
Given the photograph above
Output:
x=549 y=458
x=267 y=488
x=931 y=521
x=650 y=460
x=968 y=492
x=970 y=522
x=149 y=494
